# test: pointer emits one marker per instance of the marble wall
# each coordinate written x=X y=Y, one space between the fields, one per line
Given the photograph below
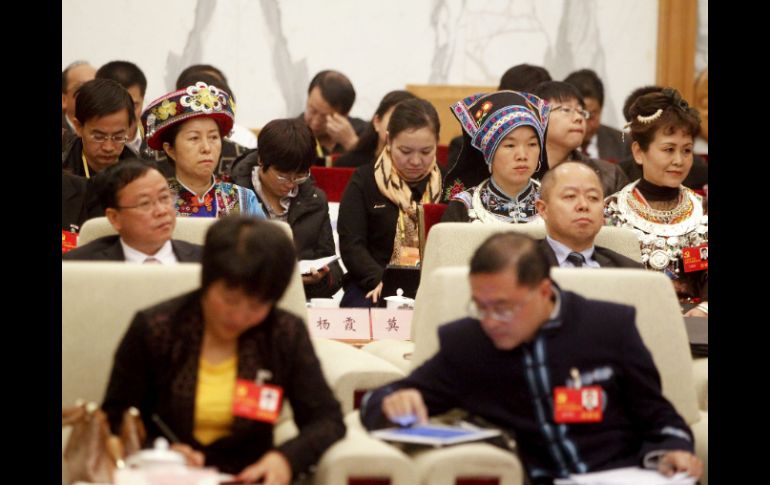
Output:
x=270 y=49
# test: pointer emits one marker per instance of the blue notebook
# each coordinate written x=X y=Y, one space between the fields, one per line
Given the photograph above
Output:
x=435 y=435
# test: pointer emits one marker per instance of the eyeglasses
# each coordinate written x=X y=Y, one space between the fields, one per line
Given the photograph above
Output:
x=294 y=180
x=101 y=138
x=165 y=201
x=567 y=110
x=501 y=313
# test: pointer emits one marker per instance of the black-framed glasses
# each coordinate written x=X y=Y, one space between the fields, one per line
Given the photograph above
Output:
x=165 y=201
x=567 y=110
x=102 y=138
x=293 y=180
x=504 y=312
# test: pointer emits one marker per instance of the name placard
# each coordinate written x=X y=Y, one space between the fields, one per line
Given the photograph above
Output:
x=340 y=323
x=391 y=324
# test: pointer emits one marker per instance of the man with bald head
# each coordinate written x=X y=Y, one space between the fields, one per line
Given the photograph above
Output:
x=572 y=206
x=72 y=77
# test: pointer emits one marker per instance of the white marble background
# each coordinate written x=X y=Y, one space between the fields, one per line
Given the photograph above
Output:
x=270 y=49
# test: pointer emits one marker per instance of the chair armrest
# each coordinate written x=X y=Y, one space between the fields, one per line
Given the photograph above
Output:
x=358 y=455
x=700 y=375
x=396 y=352
x=348 y=369
x=700 y=431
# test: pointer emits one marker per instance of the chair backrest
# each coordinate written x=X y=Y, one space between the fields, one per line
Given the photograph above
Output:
x=99 y=300
x=658 y=319
x=428 y=215
x=453 y=243
x=442 y=155
x=442 y=96
x=332 y=180
x=190 y=229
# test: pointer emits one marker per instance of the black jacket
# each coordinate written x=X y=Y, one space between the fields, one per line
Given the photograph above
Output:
x=367 y=228
x=156 y=370
x=310 y=225
x=108 y=248
x=513 y=389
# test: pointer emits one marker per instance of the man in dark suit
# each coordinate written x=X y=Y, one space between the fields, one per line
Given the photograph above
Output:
x=572 y=206
x=527 y=343
x=600 y=141
x=140 y=206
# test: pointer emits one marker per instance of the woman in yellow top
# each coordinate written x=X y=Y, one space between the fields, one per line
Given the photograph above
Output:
x=215 y=364
x=377 y=221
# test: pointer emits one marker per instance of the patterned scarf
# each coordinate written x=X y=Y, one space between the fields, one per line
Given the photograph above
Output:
x=406 y=243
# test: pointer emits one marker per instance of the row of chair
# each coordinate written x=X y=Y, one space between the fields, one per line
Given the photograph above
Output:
x=99 y=299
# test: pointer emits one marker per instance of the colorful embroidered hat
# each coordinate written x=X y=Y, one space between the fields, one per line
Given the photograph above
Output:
x=191 y=102
x=486 y=120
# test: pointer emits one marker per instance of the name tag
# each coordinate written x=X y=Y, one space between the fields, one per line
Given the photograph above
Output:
x=257 y=402
x=582 y=405
x=696 y=258
x=69 y=241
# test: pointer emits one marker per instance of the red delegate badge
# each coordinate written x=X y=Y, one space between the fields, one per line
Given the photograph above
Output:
x=257 y=402
x=69 y=241
x=582 y=405
x=696 y=258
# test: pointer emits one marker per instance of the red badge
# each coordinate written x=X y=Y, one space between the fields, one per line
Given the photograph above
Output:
x=257 y=402
x=696 y=258
x=69 y=241
x=582 y=405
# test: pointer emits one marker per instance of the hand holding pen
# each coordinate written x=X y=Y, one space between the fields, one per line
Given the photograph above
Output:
x=191 y=456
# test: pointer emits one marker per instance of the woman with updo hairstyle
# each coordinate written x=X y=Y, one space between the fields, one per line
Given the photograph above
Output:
x=667 y=217
x=372 y=139
x=377 y=221
x=189 y=125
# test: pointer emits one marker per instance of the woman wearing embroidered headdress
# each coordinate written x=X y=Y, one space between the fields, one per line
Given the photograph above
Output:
x=667 y=216
x=378 y=214
x=189 y=125
x=504 y=144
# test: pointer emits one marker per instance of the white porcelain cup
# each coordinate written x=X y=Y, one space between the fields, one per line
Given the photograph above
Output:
x=324 y=303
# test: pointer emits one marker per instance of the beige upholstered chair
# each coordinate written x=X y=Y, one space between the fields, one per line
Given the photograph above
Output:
x=659 y=320
x=190 y=229
x=453 y=244
x=99 y=300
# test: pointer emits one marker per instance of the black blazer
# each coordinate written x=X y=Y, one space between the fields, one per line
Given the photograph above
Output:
x=607 y=258
x=513 y=389
x=310 y=225
x=611 y=145
x=108 y=248
x=156 y=370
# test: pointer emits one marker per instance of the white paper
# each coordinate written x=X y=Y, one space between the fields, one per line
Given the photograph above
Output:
x=307 y=264
x=626 y=476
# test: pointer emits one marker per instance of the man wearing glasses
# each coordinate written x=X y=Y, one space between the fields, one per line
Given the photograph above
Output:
x=104 y=111
x=525 y=344
x=140 y=206
x=566 y=131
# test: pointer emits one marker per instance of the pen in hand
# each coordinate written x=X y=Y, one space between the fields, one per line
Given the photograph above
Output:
x=165 y=429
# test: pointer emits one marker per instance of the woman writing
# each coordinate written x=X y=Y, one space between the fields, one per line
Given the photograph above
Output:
x=190 y=360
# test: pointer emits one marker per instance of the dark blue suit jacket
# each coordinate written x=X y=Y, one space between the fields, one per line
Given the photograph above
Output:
x=514 y=389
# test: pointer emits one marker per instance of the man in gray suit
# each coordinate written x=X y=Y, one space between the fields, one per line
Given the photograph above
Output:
x=140 y=206
x=572 y=206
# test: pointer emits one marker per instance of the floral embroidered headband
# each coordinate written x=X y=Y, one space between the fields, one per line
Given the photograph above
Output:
x=182 y=105
x=488 y=118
